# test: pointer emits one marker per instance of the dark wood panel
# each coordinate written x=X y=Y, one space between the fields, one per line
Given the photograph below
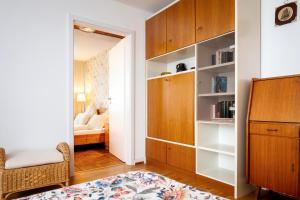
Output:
x=181 y=108
x=180 y=25
x=276 y=100
x=213 y=18
x=274 y=163
x=156 y=35
x=156 y=150
x=181 y=157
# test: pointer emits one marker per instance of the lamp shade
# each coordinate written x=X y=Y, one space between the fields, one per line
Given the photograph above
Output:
x=81 y=97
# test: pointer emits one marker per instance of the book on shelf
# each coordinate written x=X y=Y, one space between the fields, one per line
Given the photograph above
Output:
x=219 y=84
x=223 y=110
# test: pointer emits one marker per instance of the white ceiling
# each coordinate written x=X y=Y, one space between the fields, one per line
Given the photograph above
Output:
x=148 y=5
x=87 y=45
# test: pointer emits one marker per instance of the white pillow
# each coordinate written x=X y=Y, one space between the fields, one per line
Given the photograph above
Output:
x=80 y=127
x=81 y=119
x=96 y=122
x=91 y=109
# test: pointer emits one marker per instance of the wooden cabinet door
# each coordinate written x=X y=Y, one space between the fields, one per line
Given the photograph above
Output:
x=181 y=108
x=276 y=100
x=181 y=157
x=158 y=98
x=274 y=163
x=213 y=18
x=156 y=35
x=180 y=25
x=156 y=151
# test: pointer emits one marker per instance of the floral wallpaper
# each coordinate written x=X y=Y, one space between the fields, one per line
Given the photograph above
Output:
x=96 y=79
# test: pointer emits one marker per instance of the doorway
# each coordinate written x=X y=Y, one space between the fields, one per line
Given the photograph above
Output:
x=102 y=97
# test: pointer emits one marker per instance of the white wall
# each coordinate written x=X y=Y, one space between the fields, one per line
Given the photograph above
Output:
x=34 y=62
x=279 y=44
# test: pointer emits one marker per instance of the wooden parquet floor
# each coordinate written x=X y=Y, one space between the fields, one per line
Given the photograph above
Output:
x=94 y=158
x=201 y=183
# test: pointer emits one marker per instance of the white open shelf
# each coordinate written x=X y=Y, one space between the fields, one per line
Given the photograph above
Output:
x=217 y=121
x=220 y=68
x=174 y=74
x=217 y=94
x=219 y=174
x=168 y=62
x=219 y=148
x=216 y=166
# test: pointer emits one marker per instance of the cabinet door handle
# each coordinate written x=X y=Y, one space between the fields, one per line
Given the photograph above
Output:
x=293 y=167
x=170 y=40
x=166 y=79
x=272 y=130
x=199 y=28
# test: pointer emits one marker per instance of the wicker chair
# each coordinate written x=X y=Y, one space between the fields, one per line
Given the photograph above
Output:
x=21 y=179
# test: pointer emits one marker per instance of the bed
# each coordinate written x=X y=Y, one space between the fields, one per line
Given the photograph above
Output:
x=91 y=129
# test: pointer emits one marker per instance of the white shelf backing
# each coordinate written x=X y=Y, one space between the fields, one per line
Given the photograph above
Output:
x=216 y=166
x=216 y=136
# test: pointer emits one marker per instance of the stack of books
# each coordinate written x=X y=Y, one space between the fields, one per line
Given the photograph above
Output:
x=223 y=110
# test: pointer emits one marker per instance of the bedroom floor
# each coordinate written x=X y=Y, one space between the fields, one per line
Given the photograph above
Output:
x=94 y=157
x=202 y=184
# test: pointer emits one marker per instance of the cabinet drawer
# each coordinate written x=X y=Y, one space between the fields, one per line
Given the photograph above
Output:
x=275 y=129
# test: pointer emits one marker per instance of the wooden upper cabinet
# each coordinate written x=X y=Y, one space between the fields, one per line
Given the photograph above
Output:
x=156 y=35
x=213 y=18
x=180 y=25
x=276 y=100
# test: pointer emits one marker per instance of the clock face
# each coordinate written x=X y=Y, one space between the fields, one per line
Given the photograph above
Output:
x=286 y=13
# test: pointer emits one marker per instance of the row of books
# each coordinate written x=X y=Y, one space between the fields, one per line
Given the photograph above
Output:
x=223 y=110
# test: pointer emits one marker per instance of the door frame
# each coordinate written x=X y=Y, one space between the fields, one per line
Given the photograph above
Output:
x=129 y=86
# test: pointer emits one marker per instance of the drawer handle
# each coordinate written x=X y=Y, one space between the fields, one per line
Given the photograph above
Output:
x=272 y=130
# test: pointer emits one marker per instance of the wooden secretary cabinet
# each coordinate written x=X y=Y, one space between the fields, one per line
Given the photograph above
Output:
x=273 y=134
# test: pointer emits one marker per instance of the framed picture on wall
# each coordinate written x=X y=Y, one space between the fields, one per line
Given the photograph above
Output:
x=286 y=13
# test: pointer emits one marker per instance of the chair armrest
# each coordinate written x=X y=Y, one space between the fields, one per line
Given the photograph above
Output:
x=64 y=149
x=2 y=158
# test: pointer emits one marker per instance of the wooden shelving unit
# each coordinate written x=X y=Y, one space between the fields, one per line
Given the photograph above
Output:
x=215 y=138
x=219 y=143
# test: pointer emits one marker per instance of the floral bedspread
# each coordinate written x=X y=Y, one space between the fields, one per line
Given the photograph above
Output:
x=136 y=185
